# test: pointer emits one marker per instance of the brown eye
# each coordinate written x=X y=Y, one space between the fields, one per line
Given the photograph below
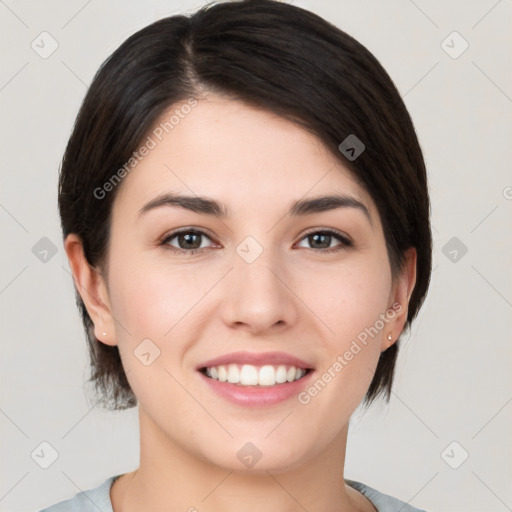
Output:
x=189 y=241
x=322 y=240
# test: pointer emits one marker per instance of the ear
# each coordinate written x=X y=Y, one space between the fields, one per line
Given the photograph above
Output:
x=399 y=299
x=93 y=290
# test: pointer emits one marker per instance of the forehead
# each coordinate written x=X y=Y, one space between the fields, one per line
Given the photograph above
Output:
x=238 y=154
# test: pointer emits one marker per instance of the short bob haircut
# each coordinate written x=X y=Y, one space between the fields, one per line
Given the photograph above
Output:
x=276 y=57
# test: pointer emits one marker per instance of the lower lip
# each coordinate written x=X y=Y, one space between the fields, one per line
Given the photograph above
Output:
x=258 y=396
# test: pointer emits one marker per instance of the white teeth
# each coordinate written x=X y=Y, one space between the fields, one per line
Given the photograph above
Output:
x=281 y=374
x=267 y=376
x=223 y=374
x=249 y=375
x=233 y=374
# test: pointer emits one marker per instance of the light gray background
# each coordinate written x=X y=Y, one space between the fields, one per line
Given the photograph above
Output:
x=453 y=378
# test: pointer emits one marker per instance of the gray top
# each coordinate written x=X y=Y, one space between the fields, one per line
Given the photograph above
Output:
x=98 y=499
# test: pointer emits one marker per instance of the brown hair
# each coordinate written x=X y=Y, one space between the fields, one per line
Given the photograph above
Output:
x=277 y=57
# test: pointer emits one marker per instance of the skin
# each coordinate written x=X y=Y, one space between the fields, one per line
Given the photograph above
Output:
x=293 y=298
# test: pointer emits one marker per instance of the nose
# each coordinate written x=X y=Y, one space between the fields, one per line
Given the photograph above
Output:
x=258 y=295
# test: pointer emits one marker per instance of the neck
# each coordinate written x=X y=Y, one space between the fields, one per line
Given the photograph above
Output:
x=169 y=477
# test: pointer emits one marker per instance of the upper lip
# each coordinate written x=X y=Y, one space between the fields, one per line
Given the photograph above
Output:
x=256 y=359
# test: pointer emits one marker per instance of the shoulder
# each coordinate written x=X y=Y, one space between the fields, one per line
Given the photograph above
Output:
x=90 y=500
x=382 y=502
x=99 y=498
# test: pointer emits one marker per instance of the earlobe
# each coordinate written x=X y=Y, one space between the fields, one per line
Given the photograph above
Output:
x=402 y=291
x=92 y=289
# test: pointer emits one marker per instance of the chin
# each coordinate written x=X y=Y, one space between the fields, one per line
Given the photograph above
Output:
x=254 y=457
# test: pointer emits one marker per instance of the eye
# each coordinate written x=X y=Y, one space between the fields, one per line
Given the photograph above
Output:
x=189 y=241
x=325 y=237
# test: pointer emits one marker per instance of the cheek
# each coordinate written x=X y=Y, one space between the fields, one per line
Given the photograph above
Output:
x=347 y=299
x=151 y=298
x=351 y=305
x=155 y=307
x=154 y=310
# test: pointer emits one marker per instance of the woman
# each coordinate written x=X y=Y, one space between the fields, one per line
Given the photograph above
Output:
x=245 y=211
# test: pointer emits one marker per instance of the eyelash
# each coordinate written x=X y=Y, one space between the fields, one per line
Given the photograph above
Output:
x=345 y=242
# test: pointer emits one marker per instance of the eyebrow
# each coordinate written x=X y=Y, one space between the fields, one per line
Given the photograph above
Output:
x=207 y=206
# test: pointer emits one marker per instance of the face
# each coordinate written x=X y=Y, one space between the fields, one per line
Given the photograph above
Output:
x=264 y=286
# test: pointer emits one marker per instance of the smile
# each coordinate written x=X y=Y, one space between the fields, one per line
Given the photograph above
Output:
x=251 y=375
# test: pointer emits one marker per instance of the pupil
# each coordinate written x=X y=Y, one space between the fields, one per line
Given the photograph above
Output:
x=315 y=237
x=187 y=238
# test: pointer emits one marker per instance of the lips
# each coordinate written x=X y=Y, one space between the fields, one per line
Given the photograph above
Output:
x=271 y=388
x=256 y=359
